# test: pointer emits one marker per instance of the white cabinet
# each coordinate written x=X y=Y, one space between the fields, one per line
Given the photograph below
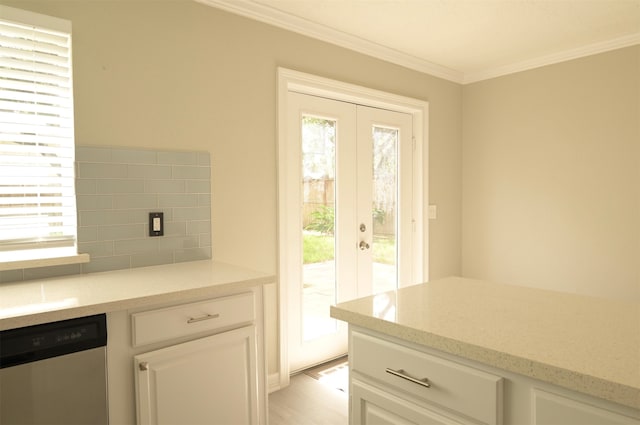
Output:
x=395 y=384
x=209 y=380
x=193 y=318
x=552 y=409
x=400 y=383
x=373 y=406
x=207 y=369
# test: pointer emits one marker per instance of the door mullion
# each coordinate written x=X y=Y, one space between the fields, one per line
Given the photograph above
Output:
x=364 y=196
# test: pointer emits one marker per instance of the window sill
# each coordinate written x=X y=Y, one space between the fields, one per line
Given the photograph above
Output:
x=40 y=258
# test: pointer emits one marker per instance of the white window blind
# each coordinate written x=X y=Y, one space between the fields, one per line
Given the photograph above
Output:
x=37 y=191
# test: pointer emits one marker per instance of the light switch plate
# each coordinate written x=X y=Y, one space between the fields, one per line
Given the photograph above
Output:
x=433 y=212
x=156 y=224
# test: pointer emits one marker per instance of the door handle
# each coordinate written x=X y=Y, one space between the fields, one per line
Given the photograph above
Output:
x=363 y=245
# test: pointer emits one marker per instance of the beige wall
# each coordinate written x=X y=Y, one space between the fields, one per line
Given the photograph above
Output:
x=549 y=166
x=551 y=176
x=181 y=75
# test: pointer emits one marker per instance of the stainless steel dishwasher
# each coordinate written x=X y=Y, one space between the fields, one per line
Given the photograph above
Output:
x=55 y=373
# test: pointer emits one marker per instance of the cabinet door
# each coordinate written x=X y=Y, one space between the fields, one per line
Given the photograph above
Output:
x=552 y=409
x=211 y=380
x=373 y=406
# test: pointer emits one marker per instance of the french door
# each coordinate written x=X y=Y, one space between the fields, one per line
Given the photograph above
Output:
x=349 y=174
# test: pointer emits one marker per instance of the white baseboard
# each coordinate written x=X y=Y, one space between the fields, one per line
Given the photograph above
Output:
x=273 y=382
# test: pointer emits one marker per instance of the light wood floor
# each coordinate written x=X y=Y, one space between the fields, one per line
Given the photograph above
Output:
x=307 y=401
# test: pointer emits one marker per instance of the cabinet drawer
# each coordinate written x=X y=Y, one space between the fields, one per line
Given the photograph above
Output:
x=462 y=389
x=188 y=319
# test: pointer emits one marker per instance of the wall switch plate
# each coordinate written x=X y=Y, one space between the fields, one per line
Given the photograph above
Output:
x=156 y=224
x=433 y=212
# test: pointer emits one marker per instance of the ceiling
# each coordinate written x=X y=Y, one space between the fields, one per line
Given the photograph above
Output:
x=459 y=40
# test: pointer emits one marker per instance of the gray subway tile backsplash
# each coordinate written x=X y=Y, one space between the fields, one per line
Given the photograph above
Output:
x=97 y=249
x=198 y=186
x=178 y=158
x=135 y=246
x=116 y=189
x=204 y=200
x=121 y=232
x=93 y=154
x=178 y=243
x=173 y=228
x=99 y=170
x=11 y=275
x=118 y=186
x=135 y=156
x=86 y=186
x=197 y=227
x=177 y=200
x=165 y=186
x=192 y=213
x=94 y=202
x=205 y=239
x=150 y=172
x=193 y=254
x=146 y=259
x=89 y=234
x=104 y=264
x=189 y=172
x=131 y=201
x=104 y=217
x=204 y=159
x=53 y=271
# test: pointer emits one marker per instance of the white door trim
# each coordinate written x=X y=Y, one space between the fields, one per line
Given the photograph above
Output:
x=289 y=80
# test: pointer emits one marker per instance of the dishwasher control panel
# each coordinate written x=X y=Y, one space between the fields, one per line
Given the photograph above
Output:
x=38 y=342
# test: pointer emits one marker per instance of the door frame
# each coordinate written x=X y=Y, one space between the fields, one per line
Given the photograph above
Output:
x=290 y=80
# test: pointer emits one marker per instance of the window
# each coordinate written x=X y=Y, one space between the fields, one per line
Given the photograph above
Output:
x=37 y=190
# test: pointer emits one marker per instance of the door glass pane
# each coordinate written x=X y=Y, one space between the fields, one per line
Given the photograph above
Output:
x=318 y=224
x=385 y=196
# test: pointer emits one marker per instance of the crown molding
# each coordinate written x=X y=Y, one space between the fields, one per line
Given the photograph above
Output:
x=272 y=16
x=566 y=55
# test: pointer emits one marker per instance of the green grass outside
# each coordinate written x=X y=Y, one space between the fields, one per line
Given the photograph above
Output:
x=384 y=250
x=319 y=248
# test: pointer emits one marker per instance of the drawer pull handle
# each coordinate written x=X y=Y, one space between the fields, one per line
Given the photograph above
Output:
x=400 y=373
x=201 y=318
x=143 y=366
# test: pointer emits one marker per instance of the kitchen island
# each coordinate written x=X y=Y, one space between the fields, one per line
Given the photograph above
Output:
x=538 y=344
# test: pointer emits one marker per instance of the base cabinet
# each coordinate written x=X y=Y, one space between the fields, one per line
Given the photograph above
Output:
x=372 y=406
x=399 y=383
x=392 y=383
x=210 y=380
x=192 y=362
x=552 y=409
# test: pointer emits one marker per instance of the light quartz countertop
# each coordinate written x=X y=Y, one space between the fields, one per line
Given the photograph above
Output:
x=47 y=300
x=590 y=345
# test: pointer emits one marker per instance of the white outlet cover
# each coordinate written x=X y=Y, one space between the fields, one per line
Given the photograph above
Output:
x=433 y=212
